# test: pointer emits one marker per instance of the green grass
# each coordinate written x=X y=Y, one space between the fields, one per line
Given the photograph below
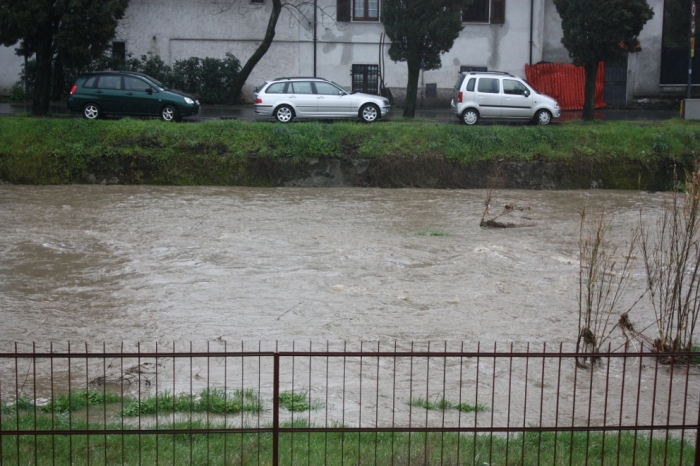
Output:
x=441 y=404
x=215 y=401
x=66 y=150
x=332 y=448
x=297 y=401
x=432 y=233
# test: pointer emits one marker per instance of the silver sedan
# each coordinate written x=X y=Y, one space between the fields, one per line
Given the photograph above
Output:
x=315 y=98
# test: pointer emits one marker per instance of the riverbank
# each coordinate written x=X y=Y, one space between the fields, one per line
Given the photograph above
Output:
x=571 y=155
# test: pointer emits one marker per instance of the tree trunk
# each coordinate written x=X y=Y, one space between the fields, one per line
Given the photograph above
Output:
x=42 y=86
x=589 y=90
x=58 y=79
x=260 y=52
x=409 y=109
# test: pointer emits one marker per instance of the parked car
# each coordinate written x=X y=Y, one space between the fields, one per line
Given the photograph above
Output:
x=500 y=96
x=102 y=93
x=288 y=98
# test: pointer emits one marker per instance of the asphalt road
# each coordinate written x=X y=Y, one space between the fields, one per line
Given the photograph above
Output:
x=438 y=115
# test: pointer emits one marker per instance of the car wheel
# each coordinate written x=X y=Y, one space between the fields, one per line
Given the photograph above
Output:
x=91 y=111
x=284 y=114
x=470 y=116
x=369 y=113
x=543 y=117
x=170 y=113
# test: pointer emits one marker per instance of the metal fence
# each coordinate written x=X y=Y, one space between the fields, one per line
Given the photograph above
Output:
x=364 y=403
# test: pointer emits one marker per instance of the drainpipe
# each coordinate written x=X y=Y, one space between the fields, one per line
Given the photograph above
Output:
x=315 y=37
x=532 y=20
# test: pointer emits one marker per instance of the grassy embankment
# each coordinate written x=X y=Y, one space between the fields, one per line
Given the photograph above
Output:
x=298 y=448
x=55 y=151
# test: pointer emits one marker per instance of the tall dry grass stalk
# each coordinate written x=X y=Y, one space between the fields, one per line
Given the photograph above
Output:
x=603 y=278
x=671 y=252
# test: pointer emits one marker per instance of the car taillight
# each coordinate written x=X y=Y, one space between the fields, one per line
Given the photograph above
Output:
x=258 y=100
x=73 y=89
x=459 y=97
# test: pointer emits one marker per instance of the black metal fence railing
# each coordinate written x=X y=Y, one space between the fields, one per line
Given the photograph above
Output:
x=347 y=404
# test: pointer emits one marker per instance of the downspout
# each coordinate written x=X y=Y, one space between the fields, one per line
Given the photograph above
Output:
x=315 y=37
x=532 y=20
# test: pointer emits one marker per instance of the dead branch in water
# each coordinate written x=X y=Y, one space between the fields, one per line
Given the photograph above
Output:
x=488 y=221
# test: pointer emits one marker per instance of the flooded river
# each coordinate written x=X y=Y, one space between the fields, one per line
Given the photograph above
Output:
x=143 y=263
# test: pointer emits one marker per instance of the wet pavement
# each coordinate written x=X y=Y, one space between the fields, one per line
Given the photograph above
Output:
x=442 y=115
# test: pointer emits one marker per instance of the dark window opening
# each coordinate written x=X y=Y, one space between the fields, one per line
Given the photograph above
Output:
x=485 y=11
x=119 y=51
x=365 y=78
x=431 y=91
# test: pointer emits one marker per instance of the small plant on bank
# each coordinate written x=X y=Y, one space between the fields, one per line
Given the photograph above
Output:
x=671 y=254
x=77 y=400
x=442 y=404
x=297 y=401
x=603 y=278
x=214 y=400
x=432 y=233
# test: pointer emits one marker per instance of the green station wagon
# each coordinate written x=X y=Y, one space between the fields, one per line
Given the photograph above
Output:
x=128 y=94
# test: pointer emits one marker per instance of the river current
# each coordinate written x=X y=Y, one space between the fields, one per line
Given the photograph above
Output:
x=145 y=263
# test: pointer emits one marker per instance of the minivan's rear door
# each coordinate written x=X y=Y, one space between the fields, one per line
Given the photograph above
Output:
x=488 y=97
x=108 y=93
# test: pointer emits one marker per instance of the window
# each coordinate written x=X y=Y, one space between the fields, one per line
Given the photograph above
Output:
x=489 y=85
x=110 y=82
x=135 y=84
x=301 y=87
x=465 y=68
x=257 y=2
x=90 y=82
x=276 y=88
x=513 y=87
x=119 y=50
x=365 y=78
x=326 y=89
x=485 y=11
x=470 y=84
x=366 y=10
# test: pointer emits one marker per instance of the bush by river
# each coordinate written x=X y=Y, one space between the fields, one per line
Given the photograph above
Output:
x=572 y=155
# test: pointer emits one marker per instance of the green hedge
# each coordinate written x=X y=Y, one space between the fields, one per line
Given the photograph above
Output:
x=50 y=151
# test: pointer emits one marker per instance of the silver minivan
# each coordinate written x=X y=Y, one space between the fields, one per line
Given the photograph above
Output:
x=500 y=96
x=288 y=98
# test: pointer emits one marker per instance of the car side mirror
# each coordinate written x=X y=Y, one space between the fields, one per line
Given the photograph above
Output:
x=149 y=90
x=526 y=93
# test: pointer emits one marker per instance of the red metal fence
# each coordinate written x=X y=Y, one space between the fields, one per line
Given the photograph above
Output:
x=565 y=83
x=347 y=404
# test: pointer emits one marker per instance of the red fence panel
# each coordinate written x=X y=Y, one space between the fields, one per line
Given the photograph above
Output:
x=565 y=83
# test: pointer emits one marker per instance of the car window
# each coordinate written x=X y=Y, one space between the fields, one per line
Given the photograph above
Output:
x=90 y=82
x=459 y=82
x=109 y=82
x=489 y=85
x=511 y=86
x=135 y=84
x=326 y=89
x=470 y=85
x=301 y=87
x=276 y=88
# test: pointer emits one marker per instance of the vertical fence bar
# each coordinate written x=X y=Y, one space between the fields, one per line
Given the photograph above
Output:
x=36 y=437
x=697 y=437
x=276 y=409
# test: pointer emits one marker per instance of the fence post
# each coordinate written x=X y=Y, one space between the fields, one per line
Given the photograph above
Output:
x=276 y=410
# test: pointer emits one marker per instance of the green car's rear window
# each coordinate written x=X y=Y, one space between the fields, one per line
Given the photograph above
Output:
x=90 y=82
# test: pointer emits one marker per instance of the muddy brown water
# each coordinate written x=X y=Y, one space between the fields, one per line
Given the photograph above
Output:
x=151 y=264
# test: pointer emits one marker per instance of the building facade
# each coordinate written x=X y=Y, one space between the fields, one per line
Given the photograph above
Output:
x=343 y=42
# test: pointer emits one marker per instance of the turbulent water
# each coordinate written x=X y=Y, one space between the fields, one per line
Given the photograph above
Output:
x=137 y=263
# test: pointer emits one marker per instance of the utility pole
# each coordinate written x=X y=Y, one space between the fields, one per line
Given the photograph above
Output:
x=692 y=47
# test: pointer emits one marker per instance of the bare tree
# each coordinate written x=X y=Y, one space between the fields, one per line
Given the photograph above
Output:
x=306 y=12
x=603 y=277
x=501 y=220
x=671 y=252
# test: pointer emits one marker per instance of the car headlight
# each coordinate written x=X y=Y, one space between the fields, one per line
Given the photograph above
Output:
x=189 y=101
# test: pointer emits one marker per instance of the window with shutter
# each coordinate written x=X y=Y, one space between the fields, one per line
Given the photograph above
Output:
x=366 y=10
x=343 y=13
